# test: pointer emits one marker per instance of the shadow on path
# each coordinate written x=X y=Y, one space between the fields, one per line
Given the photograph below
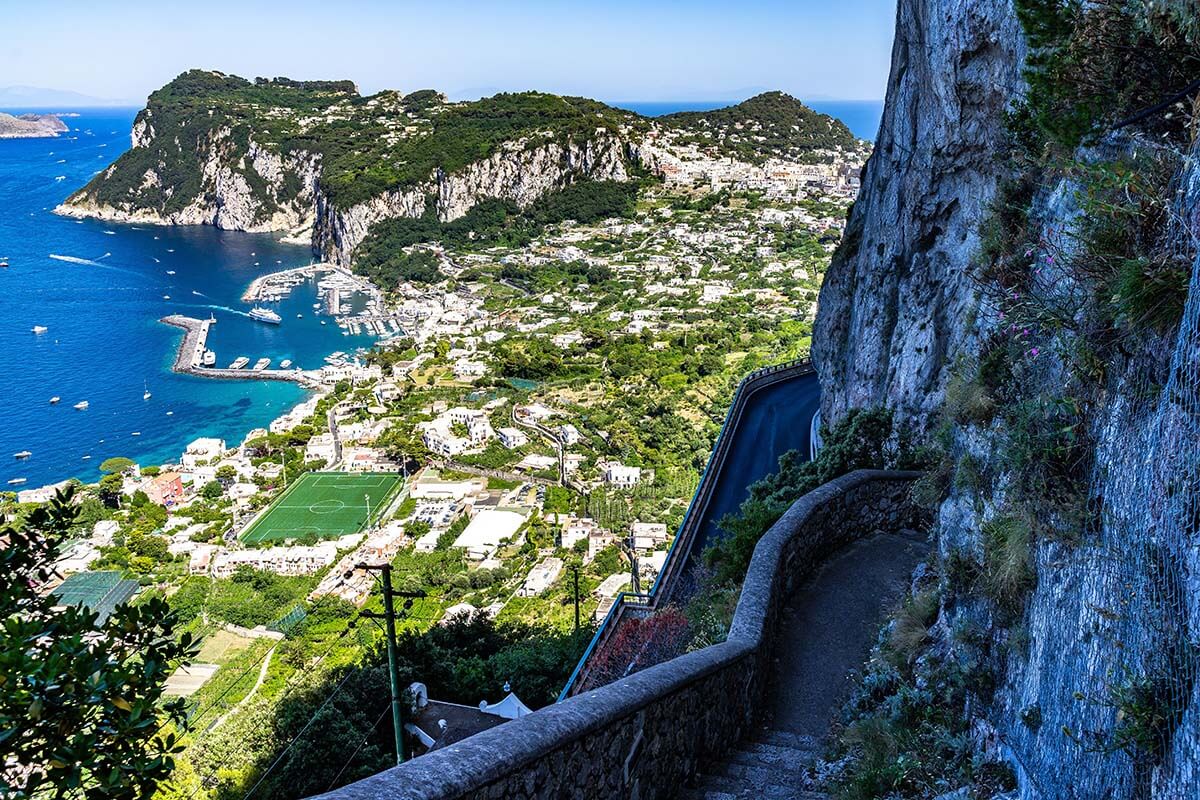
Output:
x=828 y=628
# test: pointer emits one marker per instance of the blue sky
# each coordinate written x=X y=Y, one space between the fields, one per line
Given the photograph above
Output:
x=616 y=50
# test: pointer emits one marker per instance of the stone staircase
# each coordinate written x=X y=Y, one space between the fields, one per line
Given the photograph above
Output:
x=772 y=766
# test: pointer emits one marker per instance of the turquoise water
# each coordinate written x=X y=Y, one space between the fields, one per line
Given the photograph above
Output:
x=860 y=116
x=101 y=305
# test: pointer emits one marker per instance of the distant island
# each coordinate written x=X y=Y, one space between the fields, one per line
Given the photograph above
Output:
x=30 y=126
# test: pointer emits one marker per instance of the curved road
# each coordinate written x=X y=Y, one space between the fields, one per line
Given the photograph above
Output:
x=776 y=419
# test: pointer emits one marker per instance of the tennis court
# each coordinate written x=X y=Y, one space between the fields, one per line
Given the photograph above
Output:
x=326 y=504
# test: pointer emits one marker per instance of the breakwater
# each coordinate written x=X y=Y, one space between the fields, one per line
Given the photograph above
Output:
x=189 y=358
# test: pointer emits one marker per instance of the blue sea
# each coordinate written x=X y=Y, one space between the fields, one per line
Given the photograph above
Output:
x=99 y=288
x=860 y=116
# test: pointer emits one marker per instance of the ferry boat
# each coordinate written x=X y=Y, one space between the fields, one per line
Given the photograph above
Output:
x=22 y=455
x=81 y=405
x=262 y=363
x=239 y=362
x=265 y=315
x=16 y=481
x=210 y=358
x=39 y=329
x=54 y=400
x=287 y=362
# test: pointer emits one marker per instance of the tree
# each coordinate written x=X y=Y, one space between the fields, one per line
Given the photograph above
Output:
x=116 y=464
x=81 y=707
x=227 y=475
x=212 y=490
x=109 y=490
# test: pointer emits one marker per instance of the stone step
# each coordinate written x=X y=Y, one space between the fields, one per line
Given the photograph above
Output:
x=747 y=789
x=758 y=773
x=788 y=739
x=776 y=755
x=695 y=793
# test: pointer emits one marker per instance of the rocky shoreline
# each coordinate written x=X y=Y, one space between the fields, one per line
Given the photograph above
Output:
x=31 y=126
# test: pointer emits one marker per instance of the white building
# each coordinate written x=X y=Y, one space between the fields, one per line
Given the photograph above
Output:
x=298 y=560
x=568 y=434
x=577 y=529
x=648 y=535
x=487 y=530
x=541 y=577
x=622 y=477
x=202 y=451
x=321 y=447
x=512 y=438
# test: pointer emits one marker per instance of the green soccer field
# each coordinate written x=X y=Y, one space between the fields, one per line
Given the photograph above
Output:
x=327 y=504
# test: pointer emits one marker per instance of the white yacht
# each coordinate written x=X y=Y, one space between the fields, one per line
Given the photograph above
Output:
x=210 y=358
x=287 y=362
x=239 y=362
x=81 y=405
x=39 y=329
x=54 y=400
x=145 y=391
x=262 y=363
x=265 y=315
x=22 y=455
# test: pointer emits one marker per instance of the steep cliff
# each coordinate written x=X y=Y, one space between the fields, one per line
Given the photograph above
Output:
x=1020 y=281
x=897 y=294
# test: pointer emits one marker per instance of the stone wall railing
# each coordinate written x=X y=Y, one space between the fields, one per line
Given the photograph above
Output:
x=644 y=735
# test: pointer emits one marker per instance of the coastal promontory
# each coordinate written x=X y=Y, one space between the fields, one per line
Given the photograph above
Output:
x=30 y=126
x=328 y=166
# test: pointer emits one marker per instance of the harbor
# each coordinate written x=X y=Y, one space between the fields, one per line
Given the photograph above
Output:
x=191 y=356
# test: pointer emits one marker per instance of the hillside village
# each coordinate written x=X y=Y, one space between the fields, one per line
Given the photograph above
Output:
x=546 y=401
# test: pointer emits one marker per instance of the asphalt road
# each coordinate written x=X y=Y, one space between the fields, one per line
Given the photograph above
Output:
x=776 y=419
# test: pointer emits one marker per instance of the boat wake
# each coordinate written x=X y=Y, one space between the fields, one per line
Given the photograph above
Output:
x=216 y=308
x=76 y=260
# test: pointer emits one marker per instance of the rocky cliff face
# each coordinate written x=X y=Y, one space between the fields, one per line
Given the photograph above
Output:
x=515 y=173
x=243 y=187
x=30 y=126
x=1093 y=690
x=897 y=294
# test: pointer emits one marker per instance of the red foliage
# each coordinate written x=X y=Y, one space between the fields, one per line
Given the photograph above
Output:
x=638 y=644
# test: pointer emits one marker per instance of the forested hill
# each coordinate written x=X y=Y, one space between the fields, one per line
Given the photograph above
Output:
x=326 y=164
x=768 y=124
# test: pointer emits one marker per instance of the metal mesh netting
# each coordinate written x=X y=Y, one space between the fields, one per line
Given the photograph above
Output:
x=1120 y=615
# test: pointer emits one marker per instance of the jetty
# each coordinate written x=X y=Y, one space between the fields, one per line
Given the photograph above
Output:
x=189 y=358
x=275 y=285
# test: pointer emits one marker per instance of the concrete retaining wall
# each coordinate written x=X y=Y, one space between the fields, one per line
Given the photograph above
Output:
x=644 y=735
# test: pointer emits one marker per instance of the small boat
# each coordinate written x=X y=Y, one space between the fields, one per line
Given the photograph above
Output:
x=299 y=316
x=136 y=433
x=86 y=458
x=145 y=391
x=317 y=305
x=166 y=297
x=22 y=455
x=170 y=272
x=322 y=322
x=239 y=362
x=3 y=263
x=39 y=329
x=169 y=413
x=210 y=358
x=287 y=362
x=54 y=400
x=262 y=363
x=81 y=405
x=16 y=481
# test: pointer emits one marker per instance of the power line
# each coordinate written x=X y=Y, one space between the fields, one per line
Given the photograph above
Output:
x=367 y=736
x=287 y=691
x=299 y=735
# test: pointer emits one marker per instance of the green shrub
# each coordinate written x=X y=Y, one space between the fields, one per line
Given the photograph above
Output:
x=1008 y=564
x=859 y=441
